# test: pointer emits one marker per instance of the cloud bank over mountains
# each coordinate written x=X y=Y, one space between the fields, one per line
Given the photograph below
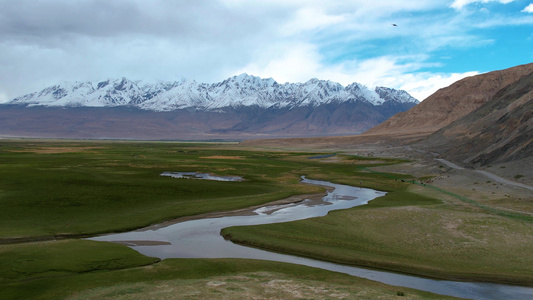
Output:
x=434 y=43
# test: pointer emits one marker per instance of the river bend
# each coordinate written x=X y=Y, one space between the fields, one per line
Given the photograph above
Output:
x=201 y=239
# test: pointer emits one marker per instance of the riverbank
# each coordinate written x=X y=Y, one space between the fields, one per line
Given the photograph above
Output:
x=431 y=239
x=249 y=211
x=296 y=284
x=201 y=279
x=56 y=189
x=217 y=214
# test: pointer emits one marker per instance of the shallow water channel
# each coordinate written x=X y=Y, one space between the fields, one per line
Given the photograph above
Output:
x=202 y=239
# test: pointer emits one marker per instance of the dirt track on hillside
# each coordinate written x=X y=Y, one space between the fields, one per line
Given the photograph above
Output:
x=506 y=185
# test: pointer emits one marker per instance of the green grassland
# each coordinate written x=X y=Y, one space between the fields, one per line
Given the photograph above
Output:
x=74 y=269
x=80 y=188
x=57 y=259
x=408 y=233
x=70 y=189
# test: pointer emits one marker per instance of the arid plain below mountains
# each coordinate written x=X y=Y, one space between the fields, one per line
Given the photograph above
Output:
x=457 y=169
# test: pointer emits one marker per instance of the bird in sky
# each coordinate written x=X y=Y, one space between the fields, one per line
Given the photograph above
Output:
x=394 y=25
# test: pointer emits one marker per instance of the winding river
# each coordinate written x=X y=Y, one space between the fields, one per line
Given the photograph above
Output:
x=202 y=239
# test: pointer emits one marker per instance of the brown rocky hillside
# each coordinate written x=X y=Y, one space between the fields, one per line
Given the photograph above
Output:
x=450 y=103
x=501 y=130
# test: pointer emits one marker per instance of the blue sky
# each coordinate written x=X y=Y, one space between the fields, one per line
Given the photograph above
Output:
x=435 y=42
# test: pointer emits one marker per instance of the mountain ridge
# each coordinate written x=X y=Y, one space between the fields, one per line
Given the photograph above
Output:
x=239 y=107
x=241 y=90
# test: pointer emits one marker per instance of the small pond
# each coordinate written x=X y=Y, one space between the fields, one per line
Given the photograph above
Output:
x=203 y=176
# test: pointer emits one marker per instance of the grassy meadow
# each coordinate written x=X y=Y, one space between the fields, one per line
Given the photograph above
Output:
x=407 y=233
x=71 y=189
x=81 y=188
x=205 y=279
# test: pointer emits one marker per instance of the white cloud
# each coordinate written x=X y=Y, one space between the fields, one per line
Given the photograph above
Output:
x=292 y=62
x=309 y=18
x=301 y=62
x=391 y=72
x=528 y=9
x=458 y=4
x=43 y=42
x=3 y=97
x=422 y=85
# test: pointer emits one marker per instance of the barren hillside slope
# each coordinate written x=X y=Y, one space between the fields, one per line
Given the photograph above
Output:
x=450 y=103
x=500 y=130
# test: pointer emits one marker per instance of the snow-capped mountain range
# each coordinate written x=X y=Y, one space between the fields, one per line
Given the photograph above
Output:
x=237 y=91
x=240 y=107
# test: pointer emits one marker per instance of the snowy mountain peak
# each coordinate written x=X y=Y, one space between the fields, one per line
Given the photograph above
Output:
x=245 y=81
x=389 y=94
x=240 y=90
